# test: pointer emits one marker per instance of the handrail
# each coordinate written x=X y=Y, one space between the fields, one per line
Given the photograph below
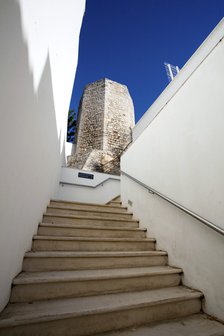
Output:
x=90 y=186
x=179 y=206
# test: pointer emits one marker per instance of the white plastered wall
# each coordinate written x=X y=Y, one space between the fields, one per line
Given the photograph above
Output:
x=39 y=51
x=180 y=154
x=192 y=246
x=101 y=189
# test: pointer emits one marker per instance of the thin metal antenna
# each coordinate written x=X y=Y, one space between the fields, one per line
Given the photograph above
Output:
x=171 y=71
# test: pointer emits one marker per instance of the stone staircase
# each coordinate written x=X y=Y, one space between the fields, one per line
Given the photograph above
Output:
x=92 y=270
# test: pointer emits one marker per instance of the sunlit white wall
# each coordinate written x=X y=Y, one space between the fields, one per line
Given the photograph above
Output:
x=178 y=151
x=52 y=29
x=39 y=51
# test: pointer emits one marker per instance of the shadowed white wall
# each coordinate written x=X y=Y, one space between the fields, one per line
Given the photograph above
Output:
x=179 y=152
x=39 y=51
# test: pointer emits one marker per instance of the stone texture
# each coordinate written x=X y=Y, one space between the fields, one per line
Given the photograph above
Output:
x=105 y=122
x=197 y=325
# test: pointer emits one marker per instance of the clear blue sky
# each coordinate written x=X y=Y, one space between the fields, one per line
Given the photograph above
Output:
x=129 y=40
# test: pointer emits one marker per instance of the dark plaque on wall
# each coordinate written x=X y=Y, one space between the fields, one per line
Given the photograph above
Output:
x=85 y=175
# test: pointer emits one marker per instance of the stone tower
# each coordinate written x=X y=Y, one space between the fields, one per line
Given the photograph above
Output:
x=105 y=122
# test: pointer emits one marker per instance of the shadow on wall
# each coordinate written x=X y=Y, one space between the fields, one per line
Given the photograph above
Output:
x=29 y=146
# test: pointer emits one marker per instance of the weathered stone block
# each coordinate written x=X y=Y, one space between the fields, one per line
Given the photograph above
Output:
x=105 y=122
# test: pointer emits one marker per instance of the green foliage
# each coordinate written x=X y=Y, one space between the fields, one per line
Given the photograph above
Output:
x=71 y=129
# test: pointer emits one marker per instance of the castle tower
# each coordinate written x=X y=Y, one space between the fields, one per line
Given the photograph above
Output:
x=105 y=122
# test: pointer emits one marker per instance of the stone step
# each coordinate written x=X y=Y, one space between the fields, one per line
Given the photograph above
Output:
x=95 y=314
x=88 y=213
x=28 y=287
x=118 y=198
x=197 y=325
x=116 y=204
x=87 y=206
x=93 y=221
x=54 y=243
x=88 y=231
x=63 y=261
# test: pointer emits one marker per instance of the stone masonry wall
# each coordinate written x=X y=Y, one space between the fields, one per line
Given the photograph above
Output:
x=106 y=118
x=118 y=117
x=90 y=122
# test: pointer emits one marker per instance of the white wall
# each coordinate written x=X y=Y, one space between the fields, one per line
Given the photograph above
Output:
x=101 y=189
x=189 y=68
x=180 y=154
x=192 y=246
x=183 y=145
x=39 y=50
x=69 y=149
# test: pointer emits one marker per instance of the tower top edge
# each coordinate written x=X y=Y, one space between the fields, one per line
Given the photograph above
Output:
x=105 y=81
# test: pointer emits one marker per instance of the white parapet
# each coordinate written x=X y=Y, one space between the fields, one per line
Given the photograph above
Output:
x=178 y=151
x=91 y=187
x=183 y=144
x=184 y=74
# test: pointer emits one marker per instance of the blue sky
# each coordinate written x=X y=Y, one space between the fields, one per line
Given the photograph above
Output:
x=129 y=40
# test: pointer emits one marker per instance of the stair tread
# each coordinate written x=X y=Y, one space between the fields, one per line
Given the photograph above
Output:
x=80 y=275
x=87 y=267
x=196 y=324
x=96 y=239
x=17 y=314
x=90 y=210
x=83 y=226
x=88 y=204
x=49 y=214
x=117 y=198
x=86 y=254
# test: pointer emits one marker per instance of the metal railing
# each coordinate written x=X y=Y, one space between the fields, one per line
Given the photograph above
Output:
x=179 y=206
x=89 y=186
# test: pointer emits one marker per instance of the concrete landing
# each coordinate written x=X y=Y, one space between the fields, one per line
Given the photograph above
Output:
x=194 y=325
